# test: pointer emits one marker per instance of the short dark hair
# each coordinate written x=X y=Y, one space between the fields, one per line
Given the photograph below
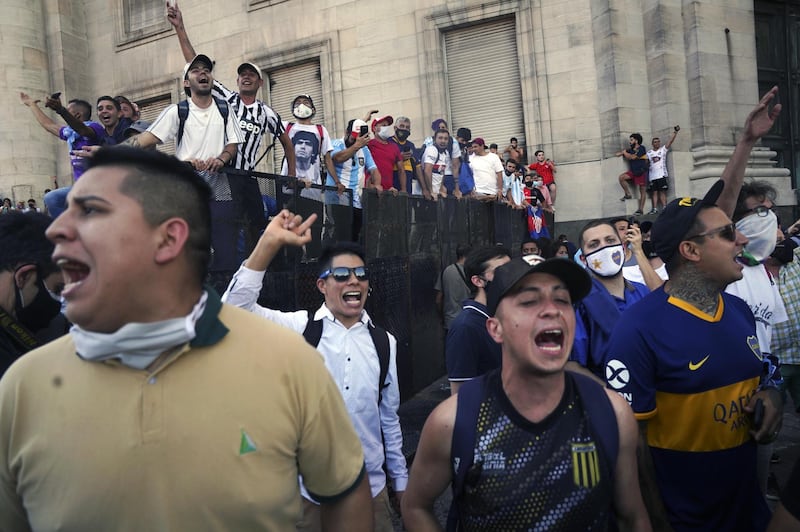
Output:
x=478 y=259
x=110 y=99
x=537 y=152
x=513 y=139
x=637 y=136
x=331 y=250
x=528 y=240
x=165 y=187
x=760 y=190
x=674 y=263
x=87 y=107
x=462 y=250
x=492 y=145
x=23 y=241
x=120 y=99
x=598 y=223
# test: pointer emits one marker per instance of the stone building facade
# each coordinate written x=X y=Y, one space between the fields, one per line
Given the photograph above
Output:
x=572 y=77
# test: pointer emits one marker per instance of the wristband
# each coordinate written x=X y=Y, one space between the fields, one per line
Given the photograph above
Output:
x=220 y=160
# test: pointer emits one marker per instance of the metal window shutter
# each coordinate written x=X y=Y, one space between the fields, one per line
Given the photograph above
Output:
x=284 y=85
x=149 y=110
x=483 y=81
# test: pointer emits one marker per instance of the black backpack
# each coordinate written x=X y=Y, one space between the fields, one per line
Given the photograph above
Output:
x=380 y=338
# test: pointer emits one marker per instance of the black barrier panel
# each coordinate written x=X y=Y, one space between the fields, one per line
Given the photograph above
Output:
x=408 y=241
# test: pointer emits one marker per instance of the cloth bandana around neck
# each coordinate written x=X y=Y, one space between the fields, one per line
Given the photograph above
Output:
x=137 y=345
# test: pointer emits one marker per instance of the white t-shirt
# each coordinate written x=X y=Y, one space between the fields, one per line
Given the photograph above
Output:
x=440 y=160
x=484 y=171
x=204 y=133
x=764 y=299
x=658 y=163
x=307 y=144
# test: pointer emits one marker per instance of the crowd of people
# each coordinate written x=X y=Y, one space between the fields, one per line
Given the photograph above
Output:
x=632 y=379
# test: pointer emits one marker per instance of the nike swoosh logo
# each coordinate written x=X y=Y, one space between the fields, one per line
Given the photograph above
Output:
x=695 y=367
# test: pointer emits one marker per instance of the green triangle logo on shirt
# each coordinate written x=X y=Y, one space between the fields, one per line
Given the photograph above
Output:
x=246 y=445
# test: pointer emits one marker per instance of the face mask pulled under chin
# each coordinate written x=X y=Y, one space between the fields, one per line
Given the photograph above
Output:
x=761 y=233
x=38 y=313
x=607 y=261
x=302 y=111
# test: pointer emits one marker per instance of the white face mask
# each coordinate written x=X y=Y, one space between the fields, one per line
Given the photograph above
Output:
x=302 y=111
x=761 y=233
x=386 y=132
x=607 y=261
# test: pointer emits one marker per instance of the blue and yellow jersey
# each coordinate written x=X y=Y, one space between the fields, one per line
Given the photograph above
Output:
x=690 y=375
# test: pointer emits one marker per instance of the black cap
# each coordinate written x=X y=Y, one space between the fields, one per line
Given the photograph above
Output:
x=199 y=58
x=677 y=218
x=509 y=274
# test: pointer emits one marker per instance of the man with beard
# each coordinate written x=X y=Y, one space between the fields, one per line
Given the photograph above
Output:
x=26 y=305
x=351 y=345
x=351 y=158
x=530 y=446
x=636 y=157
x=603 y=254
x=209 y=142
x=255 y=118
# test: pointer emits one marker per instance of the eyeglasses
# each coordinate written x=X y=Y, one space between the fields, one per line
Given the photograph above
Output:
x=728 y=232
x=760 y=210
x=341 y=274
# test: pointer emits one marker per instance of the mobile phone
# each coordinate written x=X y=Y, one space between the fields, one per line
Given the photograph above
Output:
x=55 y=95
x=364 y=130
x=758 y=414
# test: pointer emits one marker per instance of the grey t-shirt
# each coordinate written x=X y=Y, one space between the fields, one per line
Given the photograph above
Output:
x=453 y=285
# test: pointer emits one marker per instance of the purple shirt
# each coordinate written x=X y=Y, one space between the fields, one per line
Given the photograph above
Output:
x=76 y=142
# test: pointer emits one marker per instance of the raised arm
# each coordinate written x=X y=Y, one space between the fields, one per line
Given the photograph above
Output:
x=758 y=123
x=45 y=121
x=72 y=121
x=175 y=18
x=675 y=130
x=285 y=229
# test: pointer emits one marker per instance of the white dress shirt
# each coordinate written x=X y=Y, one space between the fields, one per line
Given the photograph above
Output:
x=352 y=360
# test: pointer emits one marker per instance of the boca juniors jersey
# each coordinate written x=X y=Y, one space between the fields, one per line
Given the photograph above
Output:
x=690 y=375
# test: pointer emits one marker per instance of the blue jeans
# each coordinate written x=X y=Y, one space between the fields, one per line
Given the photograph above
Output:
x=56 y=201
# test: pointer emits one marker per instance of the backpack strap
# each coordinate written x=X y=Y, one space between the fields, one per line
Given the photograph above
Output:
x=183 y=114
x=313 y=331
x=380 y=339
x=462 y=447
x=601 y=415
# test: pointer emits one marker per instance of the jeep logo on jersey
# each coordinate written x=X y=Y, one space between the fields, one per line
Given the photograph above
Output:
x=246 y=125
x=617 y=374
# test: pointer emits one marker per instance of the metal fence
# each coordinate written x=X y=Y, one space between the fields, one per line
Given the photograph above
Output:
x=408 y=242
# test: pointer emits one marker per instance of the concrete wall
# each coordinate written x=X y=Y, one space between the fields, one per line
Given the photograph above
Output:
x=592 y=72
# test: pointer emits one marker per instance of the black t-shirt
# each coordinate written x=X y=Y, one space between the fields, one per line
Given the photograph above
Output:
x=638 y=165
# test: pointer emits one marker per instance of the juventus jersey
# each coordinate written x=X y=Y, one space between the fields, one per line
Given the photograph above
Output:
x=254 y=120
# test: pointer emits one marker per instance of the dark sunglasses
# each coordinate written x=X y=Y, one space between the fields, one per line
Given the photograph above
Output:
x=341 y=274
x=728 y=232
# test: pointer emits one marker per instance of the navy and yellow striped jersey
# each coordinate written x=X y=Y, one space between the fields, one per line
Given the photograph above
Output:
x=690 y=375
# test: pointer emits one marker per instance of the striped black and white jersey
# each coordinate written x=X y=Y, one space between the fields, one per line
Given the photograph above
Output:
x=254 y=120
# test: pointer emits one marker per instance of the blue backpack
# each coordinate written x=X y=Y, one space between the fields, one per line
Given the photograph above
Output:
x=471 y=394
